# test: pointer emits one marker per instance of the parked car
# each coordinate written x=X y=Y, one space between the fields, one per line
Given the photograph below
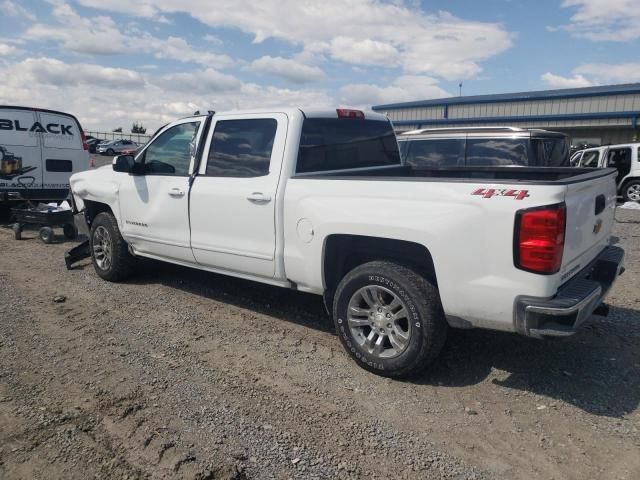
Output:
x=39 y=150
x=483 y=147
x=321 y=202
x=117 y=146
x=623 y=157
x=93 y=144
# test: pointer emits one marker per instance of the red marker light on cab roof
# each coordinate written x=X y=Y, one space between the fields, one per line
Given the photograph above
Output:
x=349 y=113
x=539 y=239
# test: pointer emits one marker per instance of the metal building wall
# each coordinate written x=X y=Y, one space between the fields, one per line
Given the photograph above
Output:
x=584 y=118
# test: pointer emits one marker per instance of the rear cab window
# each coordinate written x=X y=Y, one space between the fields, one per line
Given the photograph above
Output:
x=329 y=144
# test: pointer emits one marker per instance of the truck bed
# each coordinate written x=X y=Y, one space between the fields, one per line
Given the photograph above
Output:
x=514 y=175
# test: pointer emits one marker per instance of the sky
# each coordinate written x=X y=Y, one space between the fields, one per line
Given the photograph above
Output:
x=115 y=62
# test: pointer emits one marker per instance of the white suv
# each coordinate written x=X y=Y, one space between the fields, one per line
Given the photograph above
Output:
x=622 y=157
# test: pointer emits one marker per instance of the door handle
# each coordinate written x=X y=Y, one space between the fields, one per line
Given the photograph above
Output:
x=176 y=192
x=258 y=197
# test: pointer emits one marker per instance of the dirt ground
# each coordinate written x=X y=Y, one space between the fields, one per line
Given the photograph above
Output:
x=183 y=374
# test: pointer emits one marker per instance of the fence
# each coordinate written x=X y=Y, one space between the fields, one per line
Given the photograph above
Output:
x=139 y=138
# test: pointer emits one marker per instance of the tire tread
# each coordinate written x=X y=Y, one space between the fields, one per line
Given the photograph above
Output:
x=122 y=263
x=427 y=300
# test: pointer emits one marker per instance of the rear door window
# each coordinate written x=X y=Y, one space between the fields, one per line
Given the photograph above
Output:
x=241 y=148
x=493 y=152
x=342 y=144
x=433 y=153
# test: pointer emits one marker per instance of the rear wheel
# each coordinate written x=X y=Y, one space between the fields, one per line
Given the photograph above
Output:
x=389 y=318
x=109 y=252
x=631 y=191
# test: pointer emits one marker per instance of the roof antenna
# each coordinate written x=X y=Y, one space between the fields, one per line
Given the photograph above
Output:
x=460 y=87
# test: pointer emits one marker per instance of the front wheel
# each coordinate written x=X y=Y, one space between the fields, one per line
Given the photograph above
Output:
x=109 y=252
x=110 y=152
x=389 y=318
x=631 y=191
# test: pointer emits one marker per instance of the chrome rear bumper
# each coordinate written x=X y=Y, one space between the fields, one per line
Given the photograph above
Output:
x=576 y=300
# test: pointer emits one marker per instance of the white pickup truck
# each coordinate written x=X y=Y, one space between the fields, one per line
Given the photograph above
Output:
x=319 y=201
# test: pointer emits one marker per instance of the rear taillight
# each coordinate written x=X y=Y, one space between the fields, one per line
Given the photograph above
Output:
x=84 y=140
x=539 y=239
x=348 y=113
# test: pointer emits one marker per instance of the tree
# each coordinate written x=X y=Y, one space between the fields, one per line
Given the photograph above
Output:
x=117 y=130
x=138 y=128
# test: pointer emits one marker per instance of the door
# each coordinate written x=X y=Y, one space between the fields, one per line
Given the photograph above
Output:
x=62 y=150
x=154 y=203
x=620 y=159
x=233 y=200
x=20 y=153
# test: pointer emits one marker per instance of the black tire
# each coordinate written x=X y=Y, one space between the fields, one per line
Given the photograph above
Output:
x=70 y=231
x=46 y=234
x=110 y=152
x=17 y=231
x=121 y=263
x=425 y=318
x=631 y=184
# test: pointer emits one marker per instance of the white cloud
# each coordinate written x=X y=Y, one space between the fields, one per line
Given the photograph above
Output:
x=288 y=69
x=404 y=88
x=101 y=36
x=595 y=74
x=6 y=50
x=604 y=20
x=200 y=81
x=558 y=81
x=364 y=52
x=12 y=9
x=603 y=73
x=175 y=48
x=95 y=36
x=106 y=98
x=435 y=44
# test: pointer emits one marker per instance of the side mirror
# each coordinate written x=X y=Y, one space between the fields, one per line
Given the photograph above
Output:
x=123 y=163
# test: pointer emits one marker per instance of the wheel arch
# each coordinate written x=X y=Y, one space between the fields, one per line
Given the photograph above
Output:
x=625 y=183
x=93 y=208
x=344 y=252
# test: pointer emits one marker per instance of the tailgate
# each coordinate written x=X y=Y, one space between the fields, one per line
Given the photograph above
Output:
x=590 y=216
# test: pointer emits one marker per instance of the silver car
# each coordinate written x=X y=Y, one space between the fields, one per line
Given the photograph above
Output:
x=117 y=146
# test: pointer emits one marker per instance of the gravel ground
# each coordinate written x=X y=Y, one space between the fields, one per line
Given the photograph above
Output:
x=184 y=374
